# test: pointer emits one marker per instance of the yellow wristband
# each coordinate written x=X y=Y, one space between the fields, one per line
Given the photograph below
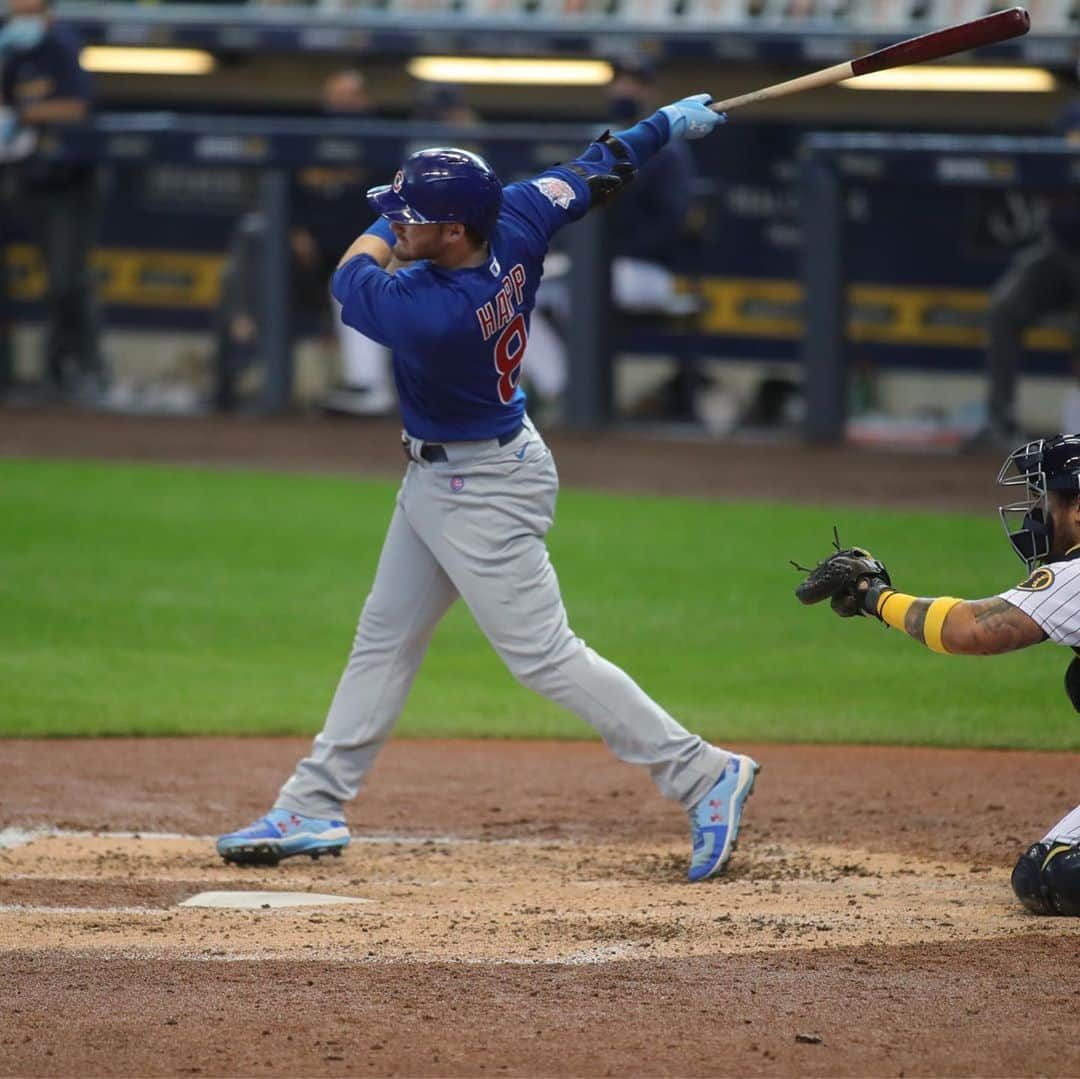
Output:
x=935 y=622
x=893 y=608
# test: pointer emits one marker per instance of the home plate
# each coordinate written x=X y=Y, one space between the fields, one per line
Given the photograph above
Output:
x=262 y=900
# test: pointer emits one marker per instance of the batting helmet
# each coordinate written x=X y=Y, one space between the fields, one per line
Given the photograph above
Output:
x=1047 y=464
x=439 y=186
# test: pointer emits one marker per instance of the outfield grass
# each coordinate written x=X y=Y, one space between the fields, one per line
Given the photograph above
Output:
x=150 y=600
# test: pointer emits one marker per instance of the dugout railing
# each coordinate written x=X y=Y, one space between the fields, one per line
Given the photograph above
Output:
x=830 y=164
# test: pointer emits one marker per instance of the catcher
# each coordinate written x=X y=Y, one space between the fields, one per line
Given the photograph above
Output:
x=1044 y=530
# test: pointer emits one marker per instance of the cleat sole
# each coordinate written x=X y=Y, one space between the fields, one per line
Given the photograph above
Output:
x=267 y=854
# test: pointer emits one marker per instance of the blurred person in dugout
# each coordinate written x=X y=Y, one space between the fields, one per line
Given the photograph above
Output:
x=1042 y=279
x=442 y=103
x=647 y=217
x=56 y=203
x=326 y=202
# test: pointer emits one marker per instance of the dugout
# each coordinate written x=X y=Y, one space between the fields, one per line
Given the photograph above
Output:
x=216 y=145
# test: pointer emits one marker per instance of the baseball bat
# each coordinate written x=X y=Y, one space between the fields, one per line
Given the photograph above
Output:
x=988 y=30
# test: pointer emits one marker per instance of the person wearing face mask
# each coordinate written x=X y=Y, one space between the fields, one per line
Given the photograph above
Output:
x=654 y=210
x=42 y=84
x=646 y=223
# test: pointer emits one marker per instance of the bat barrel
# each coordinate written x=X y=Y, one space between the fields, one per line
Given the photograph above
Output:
x=989 y=30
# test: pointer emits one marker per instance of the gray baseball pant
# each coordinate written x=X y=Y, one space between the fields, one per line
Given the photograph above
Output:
x=474 y=527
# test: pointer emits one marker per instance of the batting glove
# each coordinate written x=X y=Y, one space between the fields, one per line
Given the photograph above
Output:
x=691 y=118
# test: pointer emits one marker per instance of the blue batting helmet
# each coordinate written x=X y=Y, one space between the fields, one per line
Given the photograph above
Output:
x=441 y=185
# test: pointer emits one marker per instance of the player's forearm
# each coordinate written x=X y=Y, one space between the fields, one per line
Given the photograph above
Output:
x=647 y=137
x=983 y=627
x=377 y=241
x=987 y=627
x=374 y=246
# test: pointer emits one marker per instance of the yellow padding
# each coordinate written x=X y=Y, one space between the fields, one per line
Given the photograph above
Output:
x=935 y=622
x=893 y=608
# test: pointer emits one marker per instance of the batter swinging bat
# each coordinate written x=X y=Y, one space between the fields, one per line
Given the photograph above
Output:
x=988 y=30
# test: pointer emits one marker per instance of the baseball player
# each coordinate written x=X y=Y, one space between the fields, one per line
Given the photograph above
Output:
x=1044 y=529
x=446 y=278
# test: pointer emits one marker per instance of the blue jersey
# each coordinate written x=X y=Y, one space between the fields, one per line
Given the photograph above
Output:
x=459 y=336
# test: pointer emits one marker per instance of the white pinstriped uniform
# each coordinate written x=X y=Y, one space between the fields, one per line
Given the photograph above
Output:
x=1067 y=830
x=1051 y=598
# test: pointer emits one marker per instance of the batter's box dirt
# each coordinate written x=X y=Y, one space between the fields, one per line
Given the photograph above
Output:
x=470 y=901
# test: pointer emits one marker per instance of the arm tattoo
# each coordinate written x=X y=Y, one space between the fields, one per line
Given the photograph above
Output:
x=1001 y=627
x=915 y=620
x=989 y=611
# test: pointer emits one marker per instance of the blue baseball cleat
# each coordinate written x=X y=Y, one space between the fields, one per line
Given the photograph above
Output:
x=281 y=834
x=714 y=821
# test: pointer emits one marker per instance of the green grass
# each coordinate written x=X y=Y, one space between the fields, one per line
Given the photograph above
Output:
x=151 y=600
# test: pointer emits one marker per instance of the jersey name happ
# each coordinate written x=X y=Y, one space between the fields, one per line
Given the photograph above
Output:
x=497 y=313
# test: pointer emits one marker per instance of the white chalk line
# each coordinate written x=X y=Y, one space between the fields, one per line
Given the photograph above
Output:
x=37 y=908
x=614 y=953
x=305 y=908
x=10 y=838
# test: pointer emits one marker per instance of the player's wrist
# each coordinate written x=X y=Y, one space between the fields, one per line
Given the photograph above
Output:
x=661 y=123
x=380 y=228
x=645 y=139
x=887 y=604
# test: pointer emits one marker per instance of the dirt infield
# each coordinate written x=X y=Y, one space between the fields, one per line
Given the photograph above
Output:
x=527 y=914
x=525 y=905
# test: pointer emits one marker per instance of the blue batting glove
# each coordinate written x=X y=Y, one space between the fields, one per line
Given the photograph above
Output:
x=691 y=118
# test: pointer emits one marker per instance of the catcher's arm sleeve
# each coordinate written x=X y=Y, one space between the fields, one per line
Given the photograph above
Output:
x=981 y=627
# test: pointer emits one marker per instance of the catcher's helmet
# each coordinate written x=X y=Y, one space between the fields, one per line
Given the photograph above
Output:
x=441 y=185
x=1047 y=464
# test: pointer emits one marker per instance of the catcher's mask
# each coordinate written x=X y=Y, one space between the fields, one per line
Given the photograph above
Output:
x=1047 y=464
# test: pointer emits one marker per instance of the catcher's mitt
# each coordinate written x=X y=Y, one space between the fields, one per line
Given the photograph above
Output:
x=837 y=579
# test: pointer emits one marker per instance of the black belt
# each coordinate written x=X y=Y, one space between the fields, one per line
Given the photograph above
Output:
x=435 y=452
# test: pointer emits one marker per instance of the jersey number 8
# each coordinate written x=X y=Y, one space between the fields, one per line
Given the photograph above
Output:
x=509 y=354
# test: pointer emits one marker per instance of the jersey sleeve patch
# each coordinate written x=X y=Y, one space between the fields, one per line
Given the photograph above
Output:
x=1039 y=581
x=558 y=192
